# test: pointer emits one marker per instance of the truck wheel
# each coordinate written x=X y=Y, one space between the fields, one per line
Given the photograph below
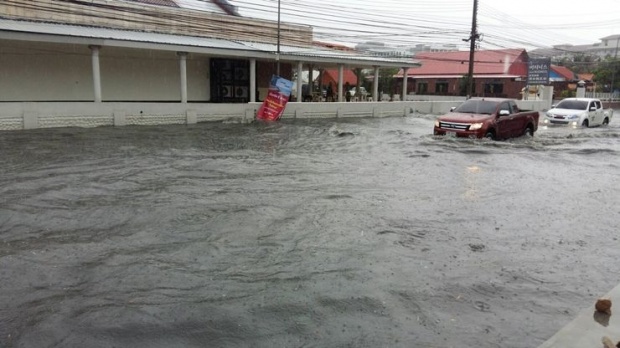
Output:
x=605 y=121
x=585 y=123
x=529 y=131
x=490 y=135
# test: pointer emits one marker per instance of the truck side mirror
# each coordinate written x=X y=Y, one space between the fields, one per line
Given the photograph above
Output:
x=452 y=108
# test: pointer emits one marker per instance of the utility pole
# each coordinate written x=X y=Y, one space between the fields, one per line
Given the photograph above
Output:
x=613 y=70
x=278 y=45
x=472 y=48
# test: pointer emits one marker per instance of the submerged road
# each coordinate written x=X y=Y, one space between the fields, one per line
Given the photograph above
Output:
x=304 y=233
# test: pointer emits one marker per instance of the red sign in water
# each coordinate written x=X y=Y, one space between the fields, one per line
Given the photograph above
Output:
x=277 y=97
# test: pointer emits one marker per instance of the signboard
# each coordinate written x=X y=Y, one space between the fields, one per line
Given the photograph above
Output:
x=277 y=97
x=538 y=71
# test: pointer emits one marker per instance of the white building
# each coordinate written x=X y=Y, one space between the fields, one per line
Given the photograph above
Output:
x=114 y=62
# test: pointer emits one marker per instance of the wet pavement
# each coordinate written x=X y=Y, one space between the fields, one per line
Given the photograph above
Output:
x=305 y=233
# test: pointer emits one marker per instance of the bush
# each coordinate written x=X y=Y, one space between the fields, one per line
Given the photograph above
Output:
x=567 y=94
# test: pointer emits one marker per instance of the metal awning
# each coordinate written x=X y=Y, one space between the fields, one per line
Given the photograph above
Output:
x=85 y=35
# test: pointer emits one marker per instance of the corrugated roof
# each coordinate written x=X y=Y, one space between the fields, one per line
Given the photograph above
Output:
x=169 y=3
x=318 y=54
x=115 y=34
x=207 y=6
x=496 y=62
x=320 y=51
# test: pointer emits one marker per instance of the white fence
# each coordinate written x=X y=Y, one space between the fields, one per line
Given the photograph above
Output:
x=611 y=97
x=31 y=115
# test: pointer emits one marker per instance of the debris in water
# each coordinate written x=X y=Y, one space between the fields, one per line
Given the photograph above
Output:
x=603 y=306
x=477 y=247
x=607 y=342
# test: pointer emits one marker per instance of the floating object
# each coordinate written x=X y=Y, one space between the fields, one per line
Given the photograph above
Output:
x=603 y=305
x=608 y=343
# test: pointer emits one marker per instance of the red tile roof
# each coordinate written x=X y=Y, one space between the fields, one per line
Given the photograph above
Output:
x=492 y=62
x=564 y=72
x=331 y=75
x=586 y=77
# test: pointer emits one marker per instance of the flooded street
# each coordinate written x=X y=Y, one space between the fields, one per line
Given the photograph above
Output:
x=305 y=233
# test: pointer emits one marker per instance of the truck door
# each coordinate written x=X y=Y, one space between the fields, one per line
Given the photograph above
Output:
x=593 y=113
x=505 y=124
x=599 y=112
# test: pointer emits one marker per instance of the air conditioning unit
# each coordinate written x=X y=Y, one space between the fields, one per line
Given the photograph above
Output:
x=241 y=92
x=227 y=91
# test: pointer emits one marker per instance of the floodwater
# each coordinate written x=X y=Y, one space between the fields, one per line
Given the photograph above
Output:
x=305 y=233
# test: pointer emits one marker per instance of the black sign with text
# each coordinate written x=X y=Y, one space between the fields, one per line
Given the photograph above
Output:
x=538 y=71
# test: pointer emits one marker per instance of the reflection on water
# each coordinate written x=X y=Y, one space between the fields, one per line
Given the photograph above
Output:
x=319 y=233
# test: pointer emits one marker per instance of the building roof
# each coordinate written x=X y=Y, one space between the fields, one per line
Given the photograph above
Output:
x=348 y=76
x=491 y=62
x=76 y=34
x=169 y=3
x=586 y=77
x=217 y=6
x=564 y=72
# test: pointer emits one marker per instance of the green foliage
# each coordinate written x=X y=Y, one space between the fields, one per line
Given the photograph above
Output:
x=387 y=80
x=567 y=94
x=463 y=85
x=607 y=71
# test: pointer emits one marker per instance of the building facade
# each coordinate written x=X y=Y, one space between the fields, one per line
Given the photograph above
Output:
x=189 y=54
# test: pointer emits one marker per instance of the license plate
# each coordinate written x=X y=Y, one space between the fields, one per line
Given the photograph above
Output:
x=451 y=134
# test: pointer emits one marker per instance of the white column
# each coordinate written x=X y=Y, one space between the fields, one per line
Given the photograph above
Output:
x=375 y=86
x=404 y=84
x=96 y=72
x=252 y=80
x=183 y=72
x=340 y=82
x=300 y=81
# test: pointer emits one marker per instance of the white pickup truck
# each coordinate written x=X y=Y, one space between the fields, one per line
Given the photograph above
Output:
x=586 y=112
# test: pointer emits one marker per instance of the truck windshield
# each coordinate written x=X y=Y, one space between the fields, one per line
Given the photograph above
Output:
x=572 y=105
x=477 y=107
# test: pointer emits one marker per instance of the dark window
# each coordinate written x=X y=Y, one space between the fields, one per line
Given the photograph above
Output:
x=475 y=106
x=505 y=106
x=422 y=87
x=230 y=81
x=493 y=88
x=572 y=104
x=441 y=87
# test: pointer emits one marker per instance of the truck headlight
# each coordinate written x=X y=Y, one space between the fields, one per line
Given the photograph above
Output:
x=437 y=123
x=572 y=117
x=475 y=126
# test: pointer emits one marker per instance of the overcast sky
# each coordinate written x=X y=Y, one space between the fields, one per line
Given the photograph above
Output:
x=503 y=24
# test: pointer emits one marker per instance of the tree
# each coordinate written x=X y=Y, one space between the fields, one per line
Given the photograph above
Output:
x=463 y=85
x=386 y=81
x=580 y=63
x=608 y=72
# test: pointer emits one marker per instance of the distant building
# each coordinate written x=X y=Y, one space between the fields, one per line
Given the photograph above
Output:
x=607 y=47
x=113 y=62
x=381 y=49
x=497 y=73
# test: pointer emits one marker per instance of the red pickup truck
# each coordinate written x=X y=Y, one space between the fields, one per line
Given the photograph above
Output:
x=493 y=118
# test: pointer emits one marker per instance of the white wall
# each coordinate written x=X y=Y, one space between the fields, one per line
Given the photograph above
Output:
x=35 y=71
x=147 y=75
x=31 y=71
x=29 y=115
